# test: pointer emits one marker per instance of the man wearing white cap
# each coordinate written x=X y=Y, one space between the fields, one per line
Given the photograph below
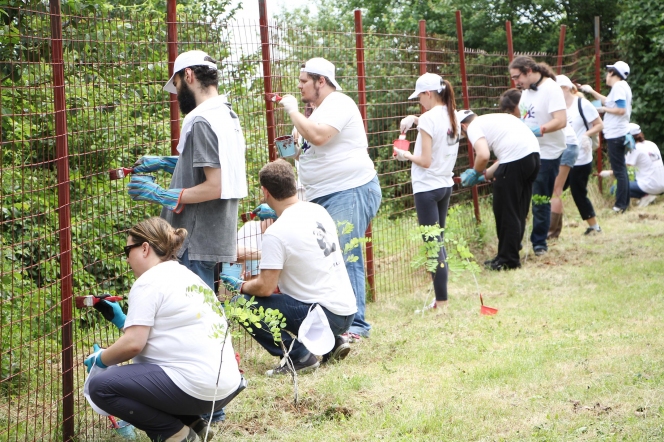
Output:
x=335 y=167
x=302 y=256
x=617 y=109
x=647 y=161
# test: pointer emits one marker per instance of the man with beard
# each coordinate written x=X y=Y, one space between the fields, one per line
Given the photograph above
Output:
x=335 y=168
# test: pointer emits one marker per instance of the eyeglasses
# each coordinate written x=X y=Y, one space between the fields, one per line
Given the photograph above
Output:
x=128 y=248
x=516 y=77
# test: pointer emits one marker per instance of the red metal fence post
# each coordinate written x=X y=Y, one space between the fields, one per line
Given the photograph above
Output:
x=561 y=48
x=267 y=79
x=171 y=22
x=423 y=52
x=64 y=222
x=598 y=88
x=362 y=96
x=466 y=104
x=510 y=48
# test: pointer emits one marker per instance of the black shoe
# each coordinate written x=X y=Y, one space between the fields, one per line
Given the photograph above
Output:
x=339 y=351
x=540 y=252
x=498 y=266
x=309 y=364
x=200 y=428
x=591 y=231
x=488 y=262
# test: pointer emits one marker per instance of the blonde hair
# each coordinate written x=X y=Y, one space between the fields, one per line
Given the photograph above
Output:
x=164 y=239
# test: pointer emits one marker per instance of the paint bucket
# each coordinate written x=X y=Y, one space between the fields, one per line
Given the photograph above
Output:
x=126 y=430
x=286 y=146
x=487 y=311
x=402 y=143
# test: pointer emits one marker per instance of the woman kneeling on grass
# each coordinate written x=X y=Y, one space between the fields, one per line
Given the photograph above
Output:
x=182 y=355
x=433 y=159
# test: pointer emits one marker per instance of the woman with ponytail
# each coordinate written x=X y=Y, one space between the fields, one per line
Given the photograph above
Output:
x=183 y=363
x=432 y=160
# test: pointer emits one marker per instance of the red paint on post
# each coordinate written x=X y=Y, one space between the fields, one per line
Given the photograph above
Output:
x=510 y=47
x=267 y=79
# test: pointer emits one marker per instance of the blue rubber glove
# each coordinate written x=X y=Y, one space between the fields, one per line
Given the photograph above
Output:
x=536 y=130
x=264 y=212
x=94 y=358
x=142 y=188
x=471 y=177
x=112 y=311
x=630 y=143
x=231 y=282
x=152 y=163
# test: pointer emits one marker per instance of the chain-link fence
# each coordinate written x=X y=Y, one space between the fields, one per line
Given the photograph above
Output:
x=81 y=94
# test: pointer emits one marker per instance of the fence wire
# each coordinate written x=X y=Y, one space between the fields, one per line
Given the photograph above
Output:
x=115 y=65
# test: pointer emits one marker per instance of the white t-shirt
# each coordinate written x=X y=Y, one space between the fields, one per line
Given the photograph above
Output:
x=507 y=136
x=616 y=126
x=304 y=245
x=574 y=118
x=647 y=160
x=536 y=109
x=343 y=162
x=169 y=298
x=570 y=135
x=444 y=149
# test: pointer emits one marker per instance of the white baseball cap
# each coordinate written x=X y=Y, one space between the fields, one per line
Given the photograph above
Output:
x=187 y=60
x=321 y=66
x=315 y=332
x=463 y=114
x=634 y=128
x=621 y=67
x=428 y=82
x=563 y=80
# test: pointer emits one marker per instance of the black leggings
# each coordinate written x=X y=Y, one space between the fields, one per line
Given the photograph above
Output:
x=431 y=208
x=577 y=180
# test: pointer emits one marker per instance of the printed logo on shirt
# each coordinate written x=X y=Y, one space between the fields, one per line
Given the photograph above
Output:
x=324 y=241
x=527 y=111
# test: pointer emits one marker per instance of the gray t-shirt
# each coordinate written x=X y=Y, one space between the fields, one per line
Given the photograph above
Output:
x=211 y=225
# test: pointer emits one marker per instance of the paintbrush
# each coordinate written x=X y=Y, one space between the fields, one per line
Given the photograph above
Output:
x=120 y=173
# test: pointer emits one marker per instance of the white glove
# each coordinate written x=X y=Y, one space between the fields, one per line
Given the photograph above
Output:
x=400 y=154
x=586 y=88
x=606 y=173
x=289 y=103
x=586 y=143
x=407 y=123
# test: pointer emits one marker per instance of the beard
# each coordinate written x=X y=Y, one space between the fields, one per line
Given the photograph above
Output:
x=186 y=99
x=316 y=95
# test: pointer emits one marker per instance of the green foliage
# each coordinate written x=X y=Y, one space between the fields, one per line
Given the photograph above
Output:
x=346 y=228
x=539 y=200
x=641 y=40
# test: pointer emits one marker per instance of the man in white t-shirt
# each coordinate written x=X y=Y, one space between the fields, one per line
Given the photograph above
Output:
x=513 y=174
x=617 y=109
x=334 y=165
x=543 y=109
x=302 y=256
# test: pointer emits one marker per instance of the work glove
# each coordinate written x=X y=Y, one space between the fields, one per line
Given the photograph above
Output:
x=537 y=131
x=111 y=311
x=231 y=282
x=471 y=177
x=630 y=143
x=151 y=163
x=400 y=154
x=264 y=212
x=407 y=123
x=94 y=358
x=289 y=103
x=606 y=173
x=586 y=88
x=142 y=188
x=586 y=143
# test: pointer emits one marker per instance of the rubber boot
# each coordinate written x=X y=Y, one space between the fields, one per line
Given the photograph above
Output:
x=556 y=225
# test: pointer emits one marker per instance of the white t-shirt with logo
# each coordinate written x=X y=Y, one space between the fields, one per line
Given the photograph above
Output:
x=574 y=118
x=169 y=298
x=616 y=126
x=647 y=160
x=343 y=162
x=507 y=136
x=304 y=245
x=444 y=149
x=536 y=109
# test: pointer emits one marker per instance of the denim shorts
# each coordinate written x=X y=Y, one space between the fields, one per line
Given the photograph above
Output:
x=569 y=155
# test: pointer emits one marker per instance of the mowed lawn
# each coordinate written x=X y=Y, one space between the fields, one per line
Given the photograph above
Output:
x=576 y=352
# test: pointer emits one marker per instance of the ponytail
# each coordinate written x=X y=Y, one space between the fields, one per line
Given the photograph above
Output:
x=447 y=97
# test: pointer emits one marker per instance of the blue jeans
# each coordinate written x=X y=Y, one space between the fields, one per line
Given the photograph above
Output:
x=543 y=186
x=204 y=269
x=570 y=154
x=357 y=206
x=616 y=148
x=635 y=191
x=294 y=312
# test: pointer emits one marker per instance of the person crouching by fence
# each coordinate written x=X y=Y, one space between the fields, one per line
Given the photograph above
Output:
x=432 y=161
x=177 y=338
x=513 y=174
x=301 y=255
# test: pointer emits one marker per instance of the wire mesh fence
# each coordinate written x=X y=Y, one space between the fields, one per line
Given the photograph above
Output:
x=56 y=157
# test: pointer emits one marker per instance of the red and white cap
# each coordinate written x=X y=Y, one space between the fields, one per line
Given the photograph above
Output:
x=187 y=60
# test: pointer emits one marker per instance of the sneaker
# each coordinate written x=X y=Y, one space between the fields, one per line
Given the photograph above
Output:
x=646 y=200
x=351 y=337
x=618 y=209
x=200 y=428
x=310 y=364
x=498 y=266
x=591 y=231
x=540 y=252
x=339 y=351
